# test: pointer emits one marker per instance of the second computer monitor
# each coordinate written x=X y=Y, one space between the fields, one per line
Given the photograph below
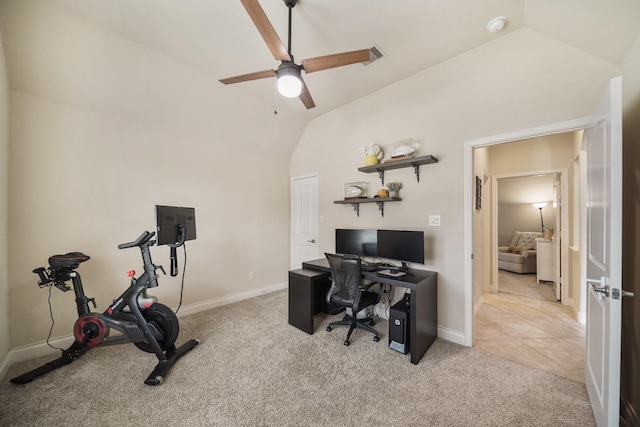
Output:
x=401 y=245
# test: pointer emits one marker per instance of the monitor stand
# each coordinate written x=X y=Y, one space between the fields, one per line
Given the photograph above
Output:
x=405 y=268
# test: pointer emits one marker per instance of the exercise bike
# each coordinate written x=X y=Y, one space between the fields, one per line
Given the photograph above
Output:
x=140 y=319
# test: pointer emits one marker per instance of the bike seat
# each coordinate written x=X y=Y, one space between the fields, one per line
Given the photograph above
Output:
x=70 y=260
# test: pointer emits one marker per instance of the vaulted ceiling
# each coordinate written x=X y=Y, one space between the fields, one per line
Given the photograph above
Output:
x=218 y=38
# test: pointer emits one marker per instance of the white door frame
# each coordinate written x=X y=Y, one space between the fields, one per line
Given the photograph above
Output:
x=469 y=192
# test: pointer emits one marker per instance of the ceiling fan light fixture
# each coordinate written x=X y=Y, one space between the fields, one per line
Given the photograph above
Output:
x=289 y=81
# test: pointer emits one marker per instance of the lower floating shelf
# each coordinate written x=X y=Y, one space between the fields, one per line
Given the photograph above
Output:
x=355 y=203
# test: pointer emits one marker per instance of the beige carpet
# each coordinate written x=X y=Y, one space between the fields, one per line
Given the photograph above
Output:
x=525 y=285
x=253 y=369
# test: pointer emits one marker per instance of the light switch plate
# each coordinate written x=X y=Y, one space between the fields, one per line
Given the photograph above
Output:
x=434 y=220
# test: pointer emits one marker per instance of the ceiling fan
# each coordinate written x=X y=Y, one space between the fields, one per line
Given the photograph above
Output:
x=289 y=74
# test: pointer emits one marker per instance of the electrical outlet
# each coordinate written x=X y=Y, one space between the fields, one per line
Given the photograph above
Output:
x=434 y=220
x=252 y=275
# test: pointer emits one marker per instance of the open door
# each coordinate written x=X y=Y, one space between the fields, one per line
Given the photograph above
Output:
x=602 y=257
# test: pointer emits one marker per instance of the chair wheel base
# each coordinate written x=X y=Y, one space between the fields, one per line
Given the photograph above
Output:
x=375 y=339
x=328 y=328
x=347 y=343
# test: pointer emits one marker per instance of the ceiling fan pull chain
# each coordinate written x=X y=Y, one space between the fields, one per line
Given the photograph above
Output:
x=275 y=102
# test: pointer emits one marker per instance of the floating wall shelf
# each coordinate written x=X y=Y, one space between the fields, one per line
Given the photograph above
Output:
x=355 y=203
x=399 y=164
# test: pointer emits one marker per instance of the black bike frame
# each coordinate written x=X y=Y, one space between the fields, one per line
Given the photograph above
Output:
x=124 y=315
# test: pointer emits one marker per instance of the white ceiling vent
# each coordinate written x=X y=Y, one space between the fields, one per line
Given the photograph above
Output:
x=375 y=53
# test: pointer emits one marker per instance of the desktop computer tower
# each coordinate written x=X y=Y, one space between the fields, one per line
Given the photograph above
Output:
x=399 y=326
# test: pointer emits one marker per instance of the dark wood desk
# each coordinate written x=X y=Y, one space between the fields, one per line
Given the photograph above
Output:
x=307 y=296
x=423 y=312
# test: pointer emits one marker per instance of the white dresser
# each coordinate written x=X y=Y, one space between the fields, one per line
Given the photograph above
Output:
x=545 y=258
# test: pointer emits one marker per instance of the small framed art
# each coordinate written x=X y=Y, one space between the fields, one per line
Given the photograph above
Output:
x=355 y=190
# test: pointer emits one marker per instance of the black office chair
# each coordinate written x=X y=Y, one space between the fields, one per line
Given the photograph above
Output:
x=347 y=291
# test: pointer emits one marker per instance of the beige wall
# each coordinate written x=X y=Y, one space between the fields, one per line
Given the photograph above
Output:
x=102 y=129
x=4 y=176
x=505 y=85
x=535 y=154
x=630 y=377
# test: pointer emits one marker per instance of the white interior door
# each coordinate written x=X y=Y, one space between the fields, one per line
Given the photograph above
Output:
x=557 y=229
x=602 y=238
x=304 y=220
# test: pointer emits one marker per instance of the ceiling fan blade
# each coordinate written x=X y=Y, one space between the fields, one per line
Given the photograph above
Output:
x=336 y=60
x=251 y=76
x=305 y=97
x=266 y=30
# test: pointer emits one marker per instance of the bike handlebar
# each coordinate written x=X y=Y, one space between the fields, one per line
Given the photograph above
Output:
x=141 y=240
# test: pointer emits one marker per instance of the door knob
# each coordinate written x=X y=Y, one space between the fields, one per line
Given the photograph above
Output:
x=602 y=289
x=311 y=241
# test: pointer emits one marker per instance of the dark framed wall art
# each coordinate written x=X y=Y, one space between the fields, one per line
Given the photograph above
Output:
x=478 y=193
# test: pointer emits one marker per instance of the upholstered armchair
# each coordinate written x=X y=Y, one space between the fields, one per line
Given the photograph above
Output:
x=520 y=255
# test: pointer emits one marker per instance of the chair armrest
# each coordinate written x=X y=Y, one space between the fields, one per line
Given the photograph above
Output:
x=503 y=248
x=380 y=291
x=530 y=254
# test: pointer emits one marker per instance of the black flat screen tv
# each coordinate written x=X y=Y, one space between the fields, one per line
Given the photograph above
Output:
x=170 y=219
x=401 y=245
x=356 y=242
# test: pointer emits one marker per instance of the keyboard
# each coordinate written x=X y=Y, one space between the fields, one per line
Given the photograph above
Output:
x=391 y=273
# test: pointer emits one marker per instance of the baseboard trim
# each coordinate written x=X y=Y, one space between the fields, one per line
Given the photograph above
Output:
x=4 y=364
x=451 y=335
x=478 y=306
x=228 y=299
x=38 y=349
x=30 y=351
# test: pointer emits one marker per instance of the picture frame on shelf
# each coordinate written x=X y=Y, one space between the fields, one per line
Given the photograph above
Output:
x=355 y=190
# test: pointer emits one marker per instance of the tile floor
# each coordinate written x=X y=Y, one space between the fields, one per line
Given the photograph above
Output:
x=535 y=332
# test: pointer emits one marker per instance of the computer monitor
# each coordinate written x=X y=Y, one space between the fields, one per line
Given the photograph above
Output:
x=356 y=242
x=405 y=246
x=175 y=225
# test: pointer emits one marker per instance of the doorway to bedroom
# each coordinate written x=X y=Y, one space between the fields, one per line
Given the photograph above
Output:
x=519 y=315
x=528 y=232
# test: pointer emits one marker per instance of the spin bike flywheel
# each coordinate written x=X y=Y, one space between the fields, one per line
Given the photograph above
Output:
x=164 y=320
